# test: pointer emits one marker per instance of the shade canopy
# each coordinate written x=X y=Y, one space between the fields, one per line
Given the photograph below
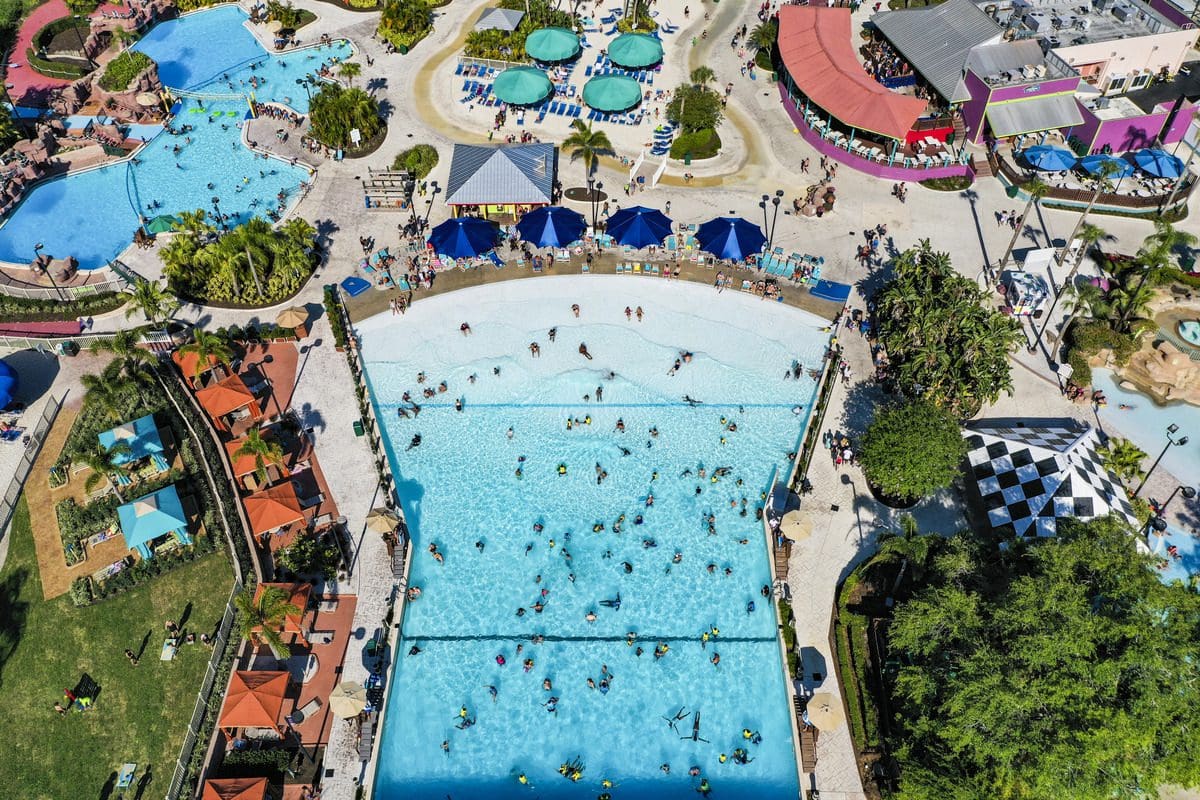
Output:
x=141 y=435
x=348 y=700
x=612 y=93
x=464 y=237
x=551 y=44
x=522 y=86
x=730 y=237
x=163 y=223
x=1047 y=158
x=235 y=789
x=149 y=517
x=8 y=385
x=816 y=46
x=551 y=226
x=273 y=508
x=274 y=26
x=500 y=19
x=292 y=317
x=637 y=226
x=1158 y=163
x=635 y=50
x=796 y=525
x=1099 y=163
x=254 y=699
x=224 y=397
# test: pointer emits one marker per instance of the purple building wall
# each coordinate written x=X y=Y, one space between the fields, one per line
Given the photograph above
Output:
x=1132 y=133
x=1179 y=125
x=973 y=110
x=1172 y=13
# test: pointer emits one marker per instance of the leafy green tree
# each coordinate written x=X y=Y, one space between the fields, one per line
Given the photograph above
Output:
x=943 y=340
x=695 y=108
x=702 y=76
x=418 y=160
x=1081 y=298
x=103 y=461
x=152 y=301
x=912 y=450
x=1124 y=458
x=263 y=619
x=587 y=145
x=405 y=22
x=264 y=451
x=9 y=132
x=1061 y=669
x=310 y=554
x=337 y=110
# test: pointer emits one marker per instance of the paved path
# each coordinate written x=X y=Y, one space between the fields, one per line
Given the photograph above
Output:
x=25 y=86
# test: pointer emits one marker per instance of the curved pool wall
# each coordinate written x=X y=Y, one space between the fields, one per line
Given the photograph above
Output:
x=1146 y=425
x=459 y=487
x=93 y=214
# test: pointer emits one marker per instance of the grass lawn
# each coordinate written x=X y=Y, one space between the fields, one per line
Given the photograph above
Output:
x=140 y=713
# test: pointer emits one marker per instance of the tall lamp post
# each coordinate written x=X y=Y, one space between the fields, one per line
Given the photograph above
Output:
x=766 y=198
x=775 y=201
x=1158 y=520
x=433 y=193
x=216 y=204
x=83 y=47
x=304 y=82
x=1171 y=442
x=594 y=188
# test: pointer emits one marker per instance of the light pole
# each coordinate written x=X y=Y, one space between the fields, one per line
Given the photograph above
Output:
x=304 y=82
x=82 y=46
x=1171 y=441
x=37 y=255
x=433 y=193
x=216 y=204
x=763 y=205
x=775 y=201
x=1158 y=520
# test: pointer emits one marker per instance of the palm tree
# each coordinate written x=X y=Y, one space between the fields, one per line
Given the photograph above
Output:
x=1088 y=235
x=702 y=76
x=1085 y=296
x=910 y=548
x=1124 y=458
x=588 y=145
x=349 y=70
x=207 y=347
x=124 y=37
x=150 y=299
x=263 y=619
x=194 y=222
x=1103 y=184
x=1037 y=190
x=1131 y=303
x=264 y=452
x=103 y=462
x=764 y=35
x=105 y=390
x=124 y=344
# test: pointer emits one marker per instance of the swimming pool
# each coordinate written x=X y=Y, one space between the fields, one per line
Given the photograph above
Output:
x=93 y=215
x=1145 y=423
x=462 y=492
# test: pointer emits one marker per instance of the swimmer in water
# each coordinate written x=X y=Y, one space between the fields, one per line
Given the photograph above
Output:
x=414 y=442
x=492 y=691
x=614 y=604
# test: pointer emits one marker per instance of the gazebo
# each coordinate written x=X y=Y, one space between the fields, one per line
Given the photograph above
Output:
x=501 y=180
x=246 y=465
x=152 y=516
x=273 y=508
x=254 y=700
x=499 y=19
x=228 y=398
x=235 y=789
x=298 y=595
x=188 y=362
x=143 y=439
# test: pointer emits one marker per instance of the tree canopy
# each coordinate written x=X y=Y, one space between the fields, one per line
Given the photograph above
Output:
x=912 y=450
x=337 y=110
x=695 y=107
x=1061 y=669
x=942 y=338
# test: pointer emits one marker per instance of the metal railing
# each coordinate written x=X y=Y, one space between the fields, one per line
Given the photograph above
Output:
x=158 y=340
x=13 y=493
x=220 y=643
x=1014 y=176
x=123 y=278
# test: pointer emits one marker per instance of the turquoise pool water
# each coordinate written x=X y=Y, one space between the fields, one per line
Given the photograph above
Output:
x=461 y=491
x=93 y=215
x=1146 y=424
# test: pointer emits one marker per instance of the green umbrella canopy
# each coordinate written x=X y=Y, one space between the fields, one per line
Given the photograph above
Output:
x=635 y=50
x=522 y=85
x=612 y=93
x=164 y=223
x=551 y=44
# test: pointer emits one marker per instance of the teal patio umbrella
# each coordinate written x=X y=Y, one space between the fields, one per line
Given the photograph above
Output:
x=612 y=93
x=163 y=223
x=635 y=50
x=522 y=86
x=551 y=44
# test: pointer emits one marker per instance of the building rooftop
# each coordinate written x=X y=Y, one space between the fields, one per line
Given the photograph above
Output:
x=1112 y=107
x=1018 y=62
x=1067 y=23
x=1186 y=84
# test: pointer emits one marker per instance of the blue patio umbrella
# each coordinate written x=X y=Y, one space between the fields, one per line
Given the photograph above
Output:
x=730 y=237
x=1049 y=159
x=637 y=226
x=1158 y=163
x=551 y=226
x=464 y=237
x=8 y=385
x=149 y=517
x=1095 y=164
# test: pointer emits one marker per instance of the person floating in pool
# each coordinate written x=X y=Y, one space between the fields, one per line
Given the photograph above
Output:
x=590 y=616
x=691 y=401
x=614 y=604
x=492 y=691
x=583 y=351
x=414 y=442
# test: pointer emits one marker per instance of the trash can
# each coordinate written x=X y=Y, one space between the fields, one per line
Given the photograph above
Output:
x=1013 y=191
x=687 y=158
x=402 y=49
x=358 y=427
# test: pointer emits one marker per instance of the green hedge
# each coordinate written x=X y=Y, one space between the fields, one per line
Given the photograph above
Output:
x=419 y=160
x=76 y=522
x=953 y=184
x=141 y=572
x=333 y=310
x=19 y=309
x=66 y=70
x=700 y=144
x=121 y=71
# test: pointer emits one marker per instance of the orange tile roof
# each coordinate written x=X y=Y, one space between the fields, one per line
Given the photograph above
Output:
x=235 y=789
x=273 y=508
x=226 y=396
x=297 y=594
x=254 y=699
x=187 y=363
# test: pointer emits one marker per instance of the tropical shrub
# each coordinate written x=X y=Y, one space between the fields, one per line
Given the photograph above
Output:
x=912 y=450
x=333 y=311
x=405 y=22
x=337 y=110
x=510 y=45
x=252 y=264
x=121 y=71
x=192 y=5
x=695 y=108
x=20 y=309
x=288 y=15
x=310 y=554
x=419 y=160
x=697 y=144
x=363 y=3
x=944 y=341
